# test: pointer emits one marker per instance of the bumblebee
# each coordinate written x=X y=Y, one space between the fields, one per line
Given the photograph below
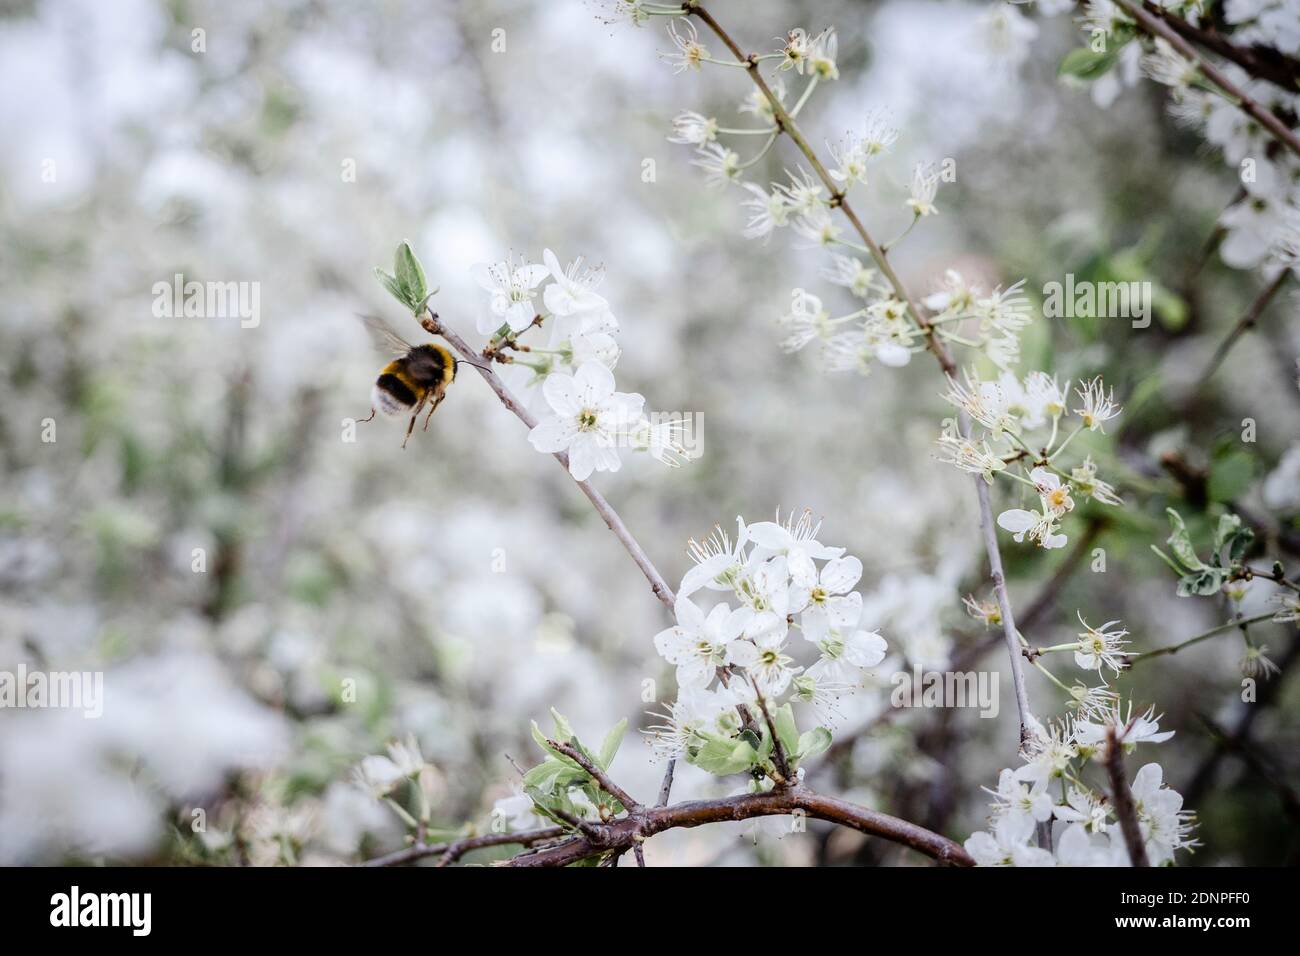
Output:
x=417 y=377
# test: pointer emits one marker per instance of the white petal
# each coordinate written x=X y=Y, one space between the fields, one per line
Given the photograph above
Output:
x=815 y=623
x=582 y=457
x=482 y=274
x=893 y=354
x=696 y=672
x=595 y=384
x=520 y=316
x=553 y=264
x=865 y=649
x=688 y=614
x=561 y=394
x=530 y=275
x=703 y=575
x=839 y=576
x=769 y=534
x=844 y=611
x=1016 y=520
x=675 y=645
x=552 y=434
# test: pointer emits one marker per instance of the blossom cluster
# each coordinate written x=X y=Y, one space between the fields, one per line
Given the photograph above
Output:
x=884 y=328
x=1009 y=412
x=1050 y=795
x=733 y=656
x=586 y=416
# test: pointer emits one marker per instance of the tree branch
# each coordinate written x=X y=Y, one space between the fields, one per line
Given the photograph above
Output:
x=639 y=825
x=1122 y=798
x=1261 y=62
x=1204 y=635
x=1158 y=27
x=602 y=779
x=455 y=849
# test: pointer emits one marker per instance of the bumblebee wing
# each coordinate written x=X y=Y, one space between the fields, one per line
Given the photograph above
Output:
x=385 y=338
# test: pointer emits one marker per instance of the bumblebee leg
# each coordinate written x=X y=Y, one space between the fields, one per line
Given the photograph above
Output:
x=433 y=408
x=362 y=421
x=411 y=426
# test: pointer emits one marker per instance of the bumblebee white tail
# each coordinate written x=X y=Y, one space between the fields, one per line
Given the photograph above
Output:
x=386 y=404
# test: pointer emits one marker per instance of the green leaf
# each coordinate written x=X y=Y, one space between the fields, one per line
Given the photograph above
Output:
x=609 y=746
x=545 y=744
x=563 y=732
x=1231 y=534
x=394 y=287
x=1087 y=64
x=1239 y=543
x=814 y=743
x=546 y=776
x=1181 y=544
x=1203 y=583
x=786 y=731
x=724 y=755
x=410 y=275
x=548 y=803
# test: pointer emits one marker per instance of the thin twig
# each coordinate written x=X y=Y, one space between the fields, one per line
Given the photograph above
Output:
x=1122 y=799
x=1009 y=632
x=1203 y=636
x=586 y=763
x=778 y=751
x=1246 y=323
x=1157 y=27
x=666 y=788
x=454 y=849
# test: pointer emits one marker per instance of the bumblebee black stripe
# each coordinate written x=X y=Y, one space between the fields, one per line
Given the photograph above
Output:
x=395 y=387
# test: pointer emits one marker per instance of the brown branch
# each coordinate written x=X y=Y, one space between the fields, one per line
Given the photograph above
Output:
x=666 y=788
x=454 y=849
x=1261 y=62
x=778 y=751
x=602 y=779
x=646 y=822
x=1122 y=799
x=1158 y=27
